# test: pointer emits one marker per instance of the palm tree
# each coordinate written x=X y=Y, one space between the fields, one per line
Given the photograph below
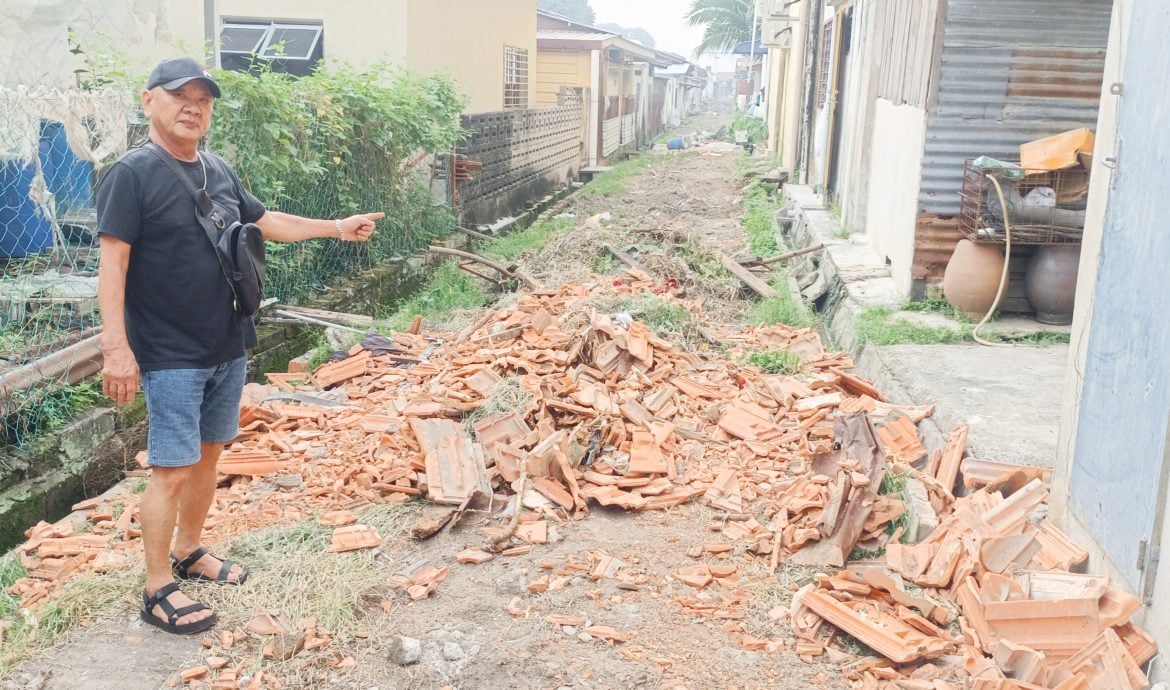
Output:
x=726 y=23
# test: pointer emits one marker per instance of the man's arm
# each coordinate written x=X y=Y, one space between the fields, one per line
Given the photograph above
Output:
x=120 y=371
x=284 y=227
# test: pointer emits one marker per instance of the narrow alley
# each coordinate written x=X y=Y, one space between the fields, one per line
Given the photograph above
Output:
x=705 y=345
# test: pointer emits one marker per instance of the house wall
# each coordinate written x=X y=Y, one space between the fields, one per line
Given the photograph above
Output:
x=462 y=39
x=467 y=39
x=559 y=68
x=357 y=32
x=858 y=95
x=1112 y=227
x=896 y=151
x=774 y=96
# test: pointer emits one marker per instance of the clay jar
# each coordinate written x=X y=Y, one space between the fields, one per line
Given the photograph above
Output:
x=972 y=277
x=1051 y=282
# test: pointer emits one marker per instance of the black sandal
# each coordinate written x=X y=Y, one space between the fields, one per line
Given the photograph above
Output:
x=170 y=625
x=182 y=569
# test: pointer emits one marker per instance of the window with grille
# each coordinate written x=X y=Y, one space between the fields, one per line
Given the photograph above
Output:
x=515 y=78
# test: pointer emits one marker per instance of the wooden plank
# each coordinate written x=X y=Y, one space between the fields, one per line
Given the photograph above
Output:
x=760 y=287
x=623 y=256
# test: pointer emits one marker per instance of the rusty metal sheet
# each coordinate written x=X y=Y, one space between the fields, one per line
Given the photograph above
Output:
x=1011 y=71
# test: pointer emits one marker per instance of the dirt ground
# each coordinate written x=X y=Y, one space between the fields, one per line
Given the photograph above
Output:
x=469 y=639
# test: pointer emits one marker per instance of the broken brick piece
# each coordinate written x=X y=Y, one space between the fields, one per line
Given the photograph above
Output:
x=607 y=633
x=473 y=556
x=354 y=537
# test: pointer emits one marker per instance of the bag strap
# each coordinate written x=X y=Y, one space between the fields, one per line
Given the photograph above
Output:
x=203 y=216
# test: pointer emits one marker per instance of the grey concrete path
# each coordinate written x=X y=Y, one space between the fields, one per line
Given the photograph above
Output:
x=1010 y=396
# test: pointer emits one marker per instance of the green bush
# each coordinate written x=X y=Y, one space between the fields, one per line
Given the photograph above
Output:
x=757 y=222
x=332 y=144
x=754 y=126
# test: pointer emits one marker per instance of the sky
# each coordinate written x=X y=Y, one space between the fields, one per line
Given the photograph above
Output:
x=662 y=18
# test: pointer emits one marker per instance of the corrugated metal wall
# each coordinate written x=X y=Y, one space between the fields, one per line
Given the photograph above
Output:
x=905 y=30
x=1012 y=71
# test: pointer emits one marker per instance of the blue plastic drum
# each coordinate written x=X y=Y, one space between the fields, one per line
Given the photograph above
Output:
x=24 y=229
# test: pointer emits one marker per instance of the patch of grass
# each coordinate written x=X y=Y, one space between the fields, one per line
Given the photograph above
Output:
x=777 y=361
x=937 y=305
x=81 y=602
x=757 y=221
x=139 y=486
x=508 y=396
x=878 y=328
x=783 y=308
x=844 y=232
x=294 y=573
x=703 y=261
x=10 y=571
x=662 y=317
x=40 y=413
x=527 y=241
x=604 y=264
x=1041 y=338
x=613 y=182
x=446 y=290
x=894 y=484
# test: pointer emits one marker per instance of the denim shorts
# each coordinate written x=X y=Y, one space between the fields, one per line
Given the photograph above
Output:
x=187 y=406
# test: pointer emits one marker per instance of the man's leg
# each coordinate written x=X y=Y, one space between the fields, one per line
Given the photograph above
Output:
x=156 y=515
x=194 y=503
x=173 y=398
x=219 y=422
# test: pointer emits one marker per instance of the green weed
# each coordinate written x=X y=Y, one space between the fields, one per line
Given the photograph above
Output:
x=937 y=305
x=704 y=262
x=876 y=327
x=40 y=413
x=613 y=182
x=757 y=221
x=446 y=290
x=777 y=361
x=527 y=241
x=783 y=308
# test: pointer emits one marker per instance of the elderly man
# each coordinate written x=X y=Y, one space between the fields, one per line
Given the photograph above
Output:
x=169 y=319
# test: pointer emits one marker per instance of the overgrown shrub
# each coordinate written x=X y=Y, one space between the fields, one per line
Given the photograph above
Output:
x=338 y=142
x=754 y=126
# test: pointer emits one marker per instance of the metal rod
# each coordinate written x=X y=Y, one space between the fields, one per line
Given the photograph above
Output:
x=318 y=322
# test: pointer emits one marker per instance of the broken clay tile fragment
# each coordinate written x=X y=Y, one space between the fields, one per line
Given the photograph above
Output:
x=605 y=632
x=473 y=556
x=559 y=619
x=354 y=537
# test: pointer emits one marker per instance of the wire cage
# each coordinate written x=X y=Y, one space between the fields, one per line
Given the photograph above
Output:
x=1043 y=206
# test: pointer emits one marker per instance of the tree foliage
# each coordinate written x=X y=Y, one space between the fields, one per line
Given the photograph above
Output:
x=577 y=10
x=725 y=23
x=636 y=33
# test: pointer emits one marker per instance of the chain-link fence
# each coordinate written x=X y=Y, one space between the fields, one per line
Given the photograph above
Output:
x=351 y=142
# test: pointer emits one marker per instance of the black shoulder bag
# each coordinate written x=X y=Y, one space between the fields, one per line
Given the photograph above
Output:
x=239 y=246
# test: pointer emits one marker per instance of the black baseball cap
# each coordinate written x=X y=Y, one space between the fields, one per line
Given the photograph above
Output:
x=173 y=73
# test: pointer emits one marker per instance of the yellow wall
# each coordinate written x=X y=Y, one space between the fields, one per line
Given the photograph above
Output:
x=557 y=68
x=356 y=31
x=462 y=38
x=466 y=39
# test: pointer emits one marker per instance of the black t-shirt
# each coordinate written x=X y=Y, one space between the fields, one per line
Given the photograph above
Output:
x=179 y=312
